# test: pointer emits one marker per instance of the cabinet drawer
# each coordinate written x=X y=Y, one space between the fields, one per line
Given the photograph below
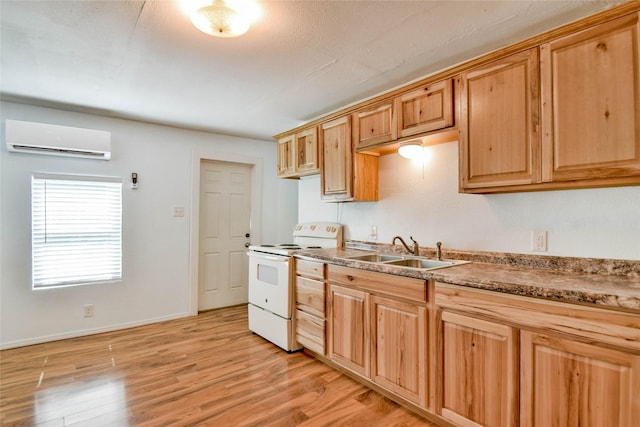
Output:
x=310 y=269
x=310 y=331
x=389 y=284
x=310 y=296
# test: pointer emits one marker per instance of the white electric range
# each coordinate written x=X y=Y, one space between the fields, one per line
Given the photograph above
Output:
x=272 y=279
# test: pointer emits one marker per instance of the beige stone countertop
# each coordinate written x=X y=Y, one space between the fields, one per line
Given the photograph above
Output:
x=621 y=292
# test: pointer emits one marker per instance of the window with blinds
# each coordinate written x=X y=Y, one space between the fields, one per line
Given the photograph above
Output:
x=76 y=230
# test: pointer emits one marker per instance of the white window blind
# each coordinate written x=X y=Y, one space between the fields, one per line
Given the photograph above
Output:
x=76 y=230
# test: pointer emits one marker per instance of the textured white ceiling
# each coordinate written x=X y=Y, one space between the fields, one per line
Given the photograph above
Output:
x=144 y=60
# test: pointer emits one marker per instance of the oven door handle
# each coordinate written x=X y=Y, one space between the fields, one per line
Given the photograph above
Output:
x=270 y=258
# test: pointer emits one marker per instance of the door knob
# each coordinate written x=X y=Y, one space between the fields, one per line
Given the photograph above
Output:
x=246 y=245
x=247 y=235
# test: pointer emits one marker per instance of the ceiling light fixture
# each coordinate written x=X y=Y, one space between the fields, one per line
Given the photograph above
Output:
x=411 y=150
x=221 y=18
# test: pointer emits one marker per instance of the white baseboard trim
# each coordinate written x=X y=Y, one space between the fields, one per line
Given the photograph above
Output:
x=85 y=332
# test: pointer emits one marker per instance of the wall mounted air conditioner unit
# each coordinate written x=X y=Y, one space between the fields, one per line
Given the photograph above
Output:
x=41 y=138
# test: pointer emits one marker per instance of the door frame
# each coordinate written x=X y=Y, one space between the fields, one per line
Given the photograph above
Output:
x=197 y=156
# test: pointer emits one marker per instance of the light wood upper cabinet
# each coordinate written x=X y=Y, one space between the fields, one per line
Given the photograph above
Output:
x=426 y=109
x=337 y=159
x=499 y=132
x=479 y=371
x=286 y=156
x=560 y=110
x=375 y=125
x=299 y=154
x=307 y=153
x=399 y=347
x=588 y=133
x=345 y=175
x=567 y=382
x=591 y=103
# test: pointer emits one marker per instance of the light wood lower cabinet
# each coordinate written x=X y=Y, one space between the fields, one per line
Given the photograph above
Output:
x=399 y=348
x=578 y=365
x=310 y=323
x=479 y=371
x=349 y=328
x=471 y=357
x=381 y=338
x=570 y=383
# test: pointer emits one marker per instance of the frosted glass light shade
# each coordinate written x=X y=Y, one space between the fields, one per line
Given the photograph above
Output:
x=410 y=151
x=220 y=20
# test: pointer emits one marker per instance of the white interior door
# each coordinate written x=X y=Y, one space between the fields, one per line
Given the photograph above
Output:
x=225 y=204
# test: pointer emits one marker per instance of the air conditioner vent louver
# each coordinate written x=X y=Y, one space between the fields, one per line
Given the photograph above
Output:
x=41 y=138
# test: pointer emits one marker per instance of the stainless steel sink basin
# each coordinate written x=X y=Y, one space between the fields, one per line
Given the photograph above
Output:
x=375 y=258
x=404 y=261
x=421 y=263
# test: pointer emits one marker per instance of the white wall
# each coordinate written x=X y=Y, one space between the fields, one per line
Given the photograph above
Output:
x=156 y=246
x=423 y=201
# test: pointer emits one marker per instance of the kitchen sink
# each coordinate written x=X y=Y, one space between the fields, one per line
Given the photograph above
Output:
x=376 y=258
x=421 y=263
x=405 y=261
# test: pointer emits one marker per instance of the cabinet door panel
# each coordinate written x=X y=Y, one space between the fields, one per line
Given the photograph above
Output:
x=499 y=139
x=337 y=161
x=591 y=102
x=399 y=347
x=569 y=383
x=307 y=151
x=349 y=328
x=426 y=109
x=286 y=156
x=479 y=371
x=376 y=125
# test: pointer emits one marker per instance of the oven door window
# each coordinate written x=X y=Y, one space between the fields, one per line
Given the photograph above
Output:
x=268 y=274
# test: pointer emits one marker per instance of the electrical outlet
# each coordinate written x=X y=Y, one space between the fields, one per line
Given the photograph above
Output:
x=539 y=241
x=374 y=233
x=178 y=211
x=88 y=310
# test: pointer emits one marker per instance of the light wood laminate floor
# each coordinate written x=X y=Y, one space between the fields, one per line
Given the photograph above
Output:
x=198 y=371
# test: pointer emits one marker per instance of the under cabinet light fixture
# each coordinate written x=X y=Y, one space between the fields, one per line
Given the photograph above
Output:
x=411 y=150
